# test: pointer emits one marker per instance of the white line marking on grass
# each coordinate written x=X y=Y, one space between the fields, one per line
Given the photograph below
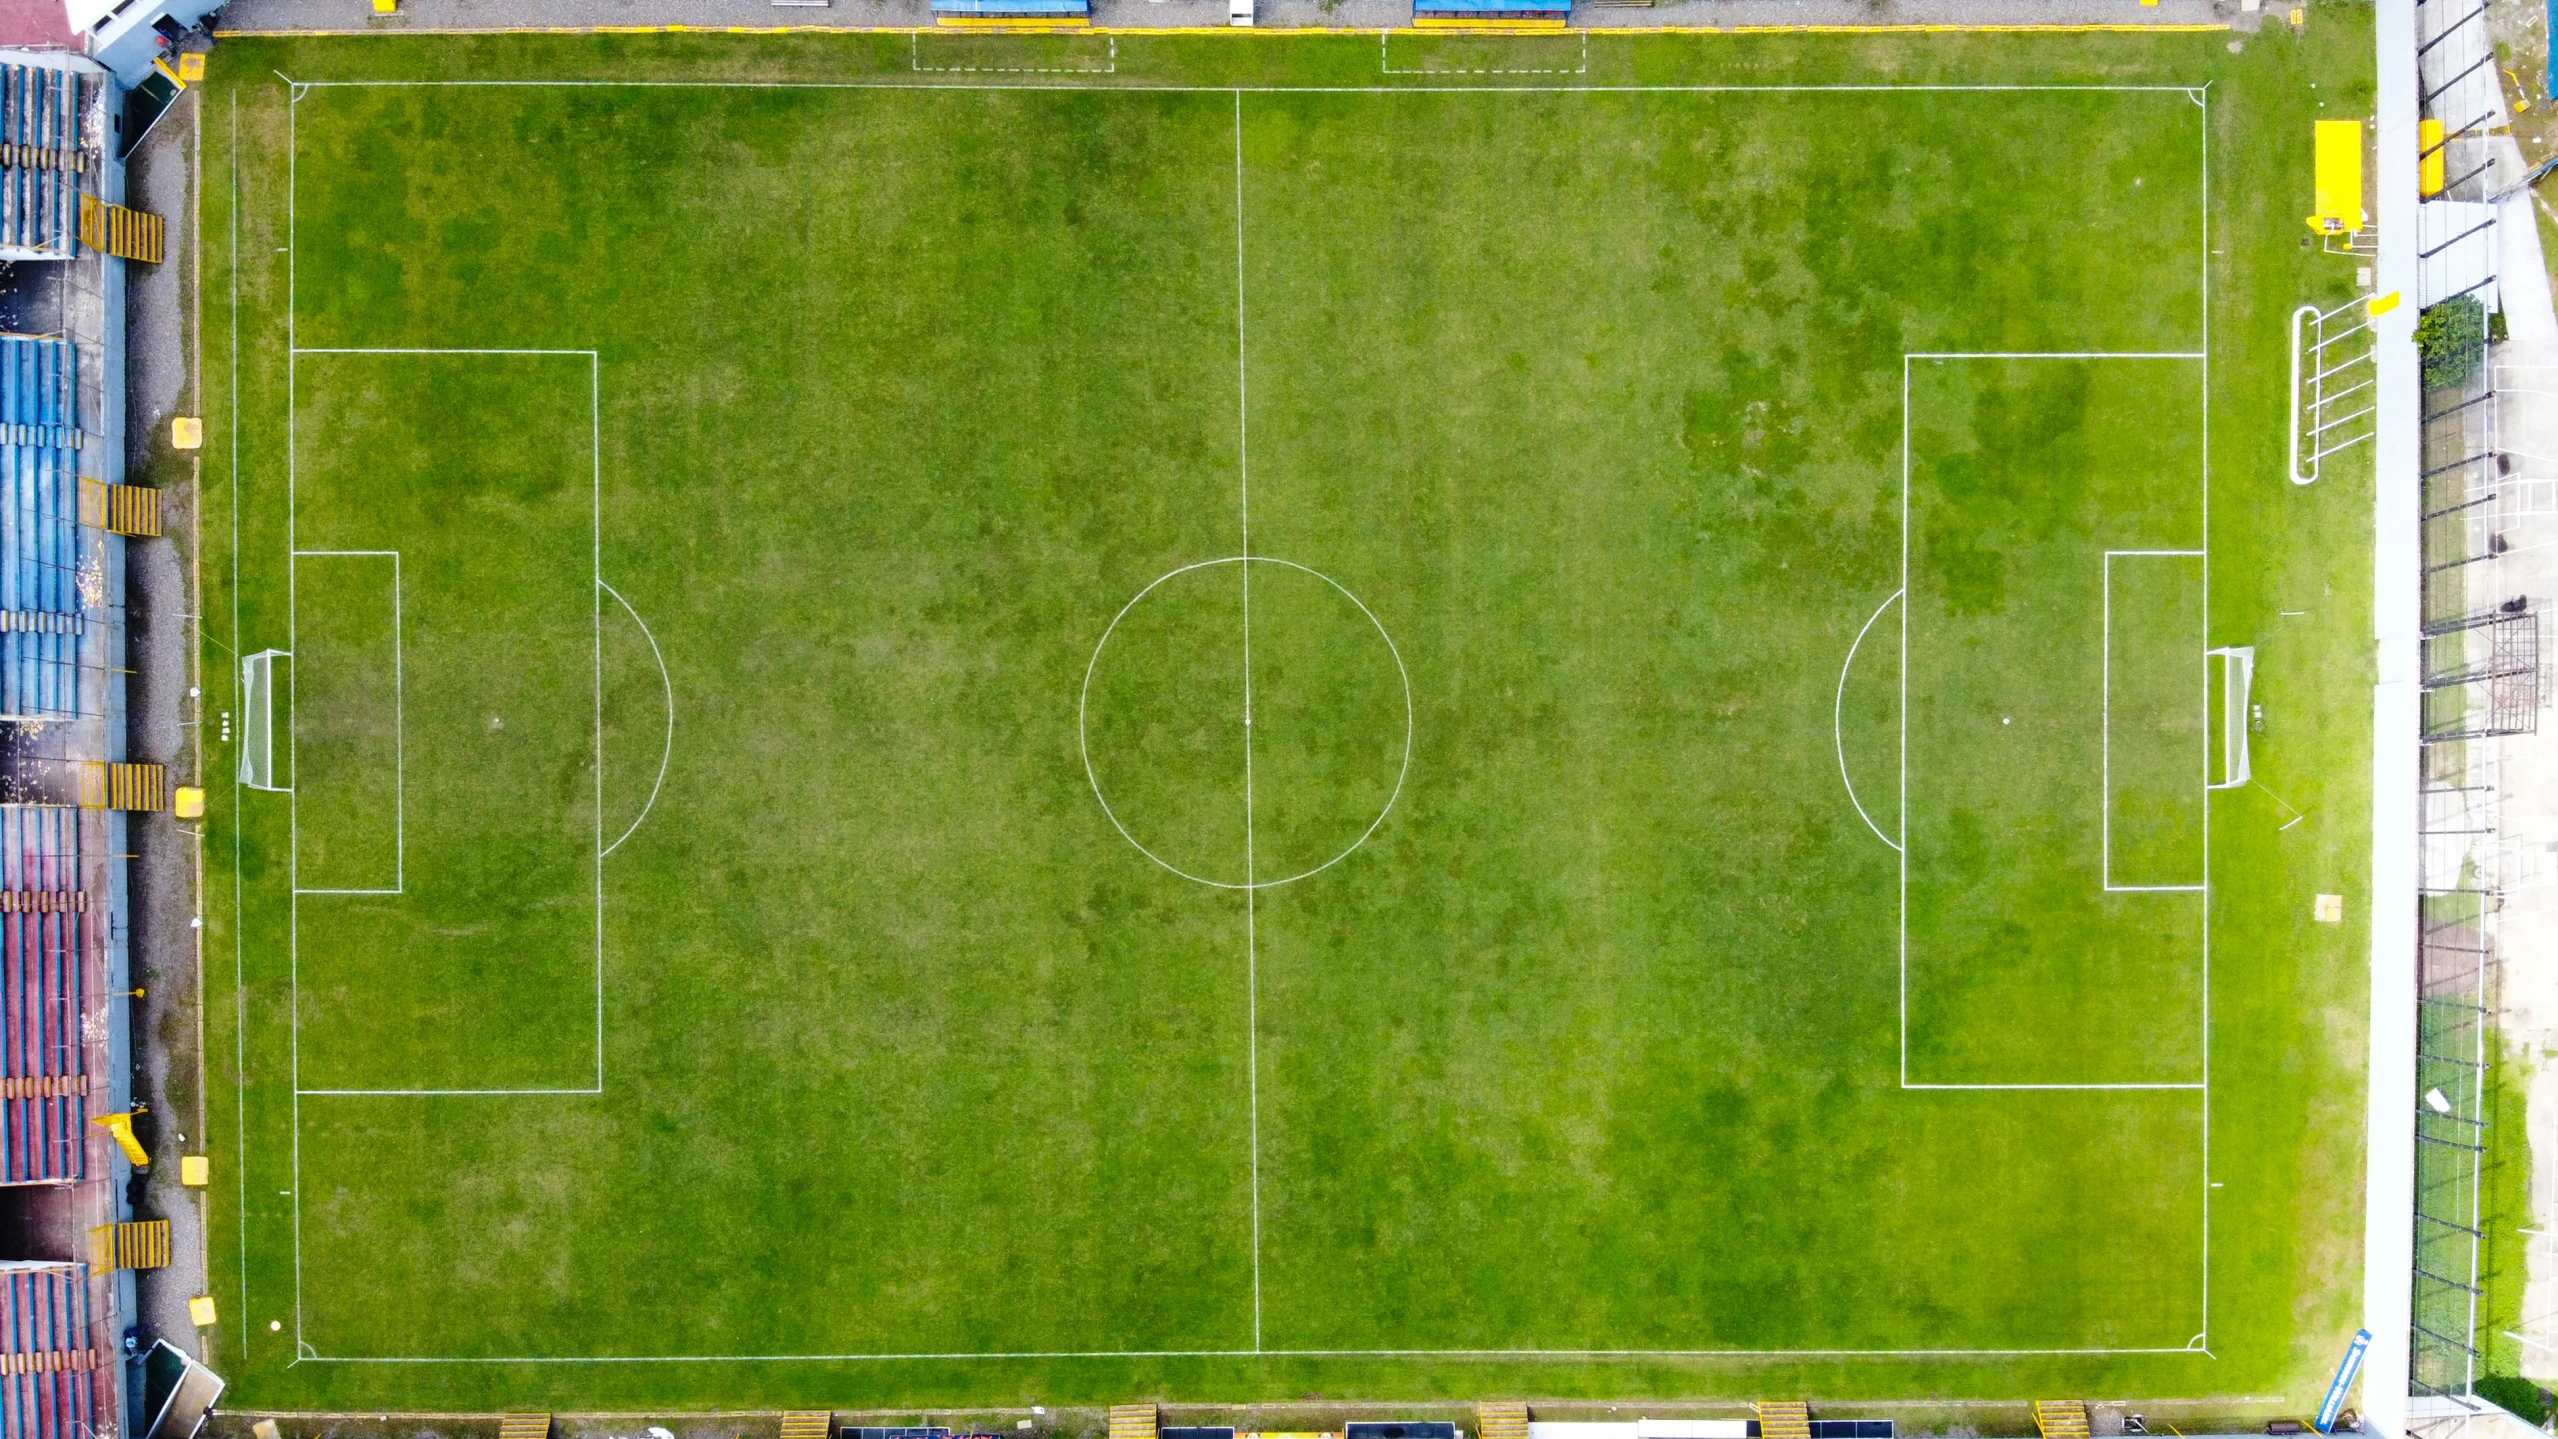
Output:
x=1152 y=88
x=239 y=705
x=2203 y=261
x=1251 y=904
x=1083 y=706
x=442 y=1093
x=1520 y=1354
x=916 y=52
x=2163 y=1085
x=1385 y=66
x=293 y=638
x=1838 y=719
x=305 y=1352
x=666 y=753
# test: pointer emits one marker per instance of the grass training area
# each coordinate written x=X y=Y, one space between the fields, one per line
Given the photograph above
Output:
x=972 y=719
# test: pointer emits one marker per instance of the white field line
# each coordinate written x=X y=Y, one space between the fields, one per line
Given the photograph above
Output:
x=916 y=60
x=1838 y=719
x=2203 y=262
x=239 y=706
x=1140 y=87
x=2105 y=746
x=399 y=734
x=292 y=641
x=1386 y=66
x=668 y=752
x=1251 y=892
x=1519 y=1354
x=298 y=89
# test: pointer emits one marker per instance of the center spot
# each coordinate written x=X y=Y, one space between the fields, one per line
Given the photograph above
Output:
x=1234 y=779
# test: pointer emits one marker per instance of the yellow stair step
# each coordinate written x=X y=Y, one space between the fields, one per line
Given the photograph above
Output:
x=2060 y=1418
x=1502 y=1419
x=807 y=1423
x=1784 y=1419
x=1134 y=1421
x=142 y=1244
x=524 y=1426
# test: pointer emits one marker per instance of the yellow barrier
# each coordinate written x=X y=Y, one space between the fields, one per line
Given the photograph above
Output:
x=2429 y=157
x=121 y=1126
x=2340 y=177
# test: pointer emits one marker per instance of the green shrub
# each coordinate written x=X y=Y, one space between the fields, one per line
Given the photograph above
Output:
x=2452 y=340
x=2515 y=1396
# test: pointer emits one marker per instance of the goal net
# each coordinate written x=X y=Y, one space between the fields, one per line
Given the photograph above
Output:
x=257 y=719
x=2233 y=698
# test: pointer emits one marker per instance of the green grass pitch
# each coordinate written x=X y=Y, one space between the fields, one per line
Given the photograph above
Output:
x=987 y=720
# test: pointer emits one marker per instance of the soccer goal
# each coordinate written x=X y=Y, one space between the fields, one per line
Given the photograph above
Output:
x=2234 y=698
x=257 y=719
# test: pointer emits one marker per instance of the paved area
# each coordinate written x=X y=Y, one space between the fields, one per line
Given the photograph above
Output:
x=160 y=607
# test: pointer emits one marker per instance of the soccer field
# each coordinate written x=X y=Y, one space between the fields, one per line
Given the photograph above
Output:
x=959 y=720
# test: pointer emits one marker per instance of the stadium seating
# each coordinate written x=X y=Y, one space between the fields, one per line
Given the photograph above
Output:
x=44 y=1092
x=1044 y=14
x=46 y=1357
x=1491 y=14
x=40 y=597
x=40 y=158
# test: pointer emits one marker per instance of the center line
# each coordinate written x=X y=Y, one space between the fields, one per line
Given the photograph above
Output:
x=1251 y=941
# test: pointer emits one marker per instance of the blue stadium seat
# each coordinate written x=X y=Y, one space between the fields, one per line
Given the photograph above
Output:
x=39 y=527
x=41 y=158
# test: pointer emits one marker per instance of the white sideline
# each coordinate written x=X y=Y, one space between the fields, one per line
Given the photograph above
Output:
x=306 y=1353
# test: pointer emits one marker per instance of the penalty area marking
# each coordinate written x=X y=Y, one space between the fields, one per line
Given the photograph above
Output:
x=594 y=525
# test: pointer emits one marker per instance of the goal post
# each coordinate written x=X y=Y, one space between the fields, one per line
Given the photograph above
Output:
x=257 y=719
x=2233 y=698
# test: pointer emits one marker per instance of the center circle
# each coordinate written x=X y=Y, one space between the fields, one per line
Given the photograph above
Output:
x=1246 y=722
